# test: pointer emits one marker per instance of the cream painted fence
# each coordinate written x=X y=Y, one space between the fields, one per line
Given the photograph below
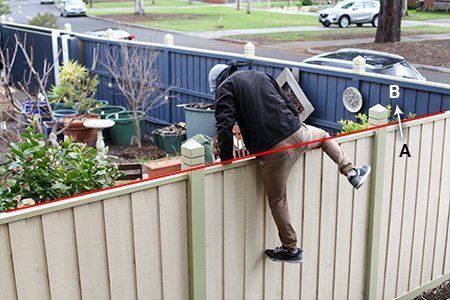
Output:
x=133 y=241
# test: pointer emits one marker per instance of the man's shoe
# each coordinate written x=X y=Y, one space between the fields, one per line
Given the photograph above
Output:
x=359 y=175
x=282 y=254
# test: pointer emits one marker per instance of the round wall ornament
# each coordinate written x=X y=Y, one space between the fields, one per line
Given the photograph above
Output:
x=352 y=99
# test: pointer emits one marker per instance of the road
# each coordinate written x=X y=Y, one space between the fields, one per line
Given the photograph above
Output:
x=23 y=10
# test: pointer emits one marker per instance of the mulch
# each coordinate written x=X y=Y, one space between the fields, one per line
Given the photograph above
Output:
x=433 y=53
x=132 y=18
x=441 y=292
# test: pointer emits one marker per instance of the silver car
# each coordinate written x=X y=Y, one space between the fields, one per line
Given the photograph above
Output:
x=351 y=12
x=376 y=62
x=72 y=8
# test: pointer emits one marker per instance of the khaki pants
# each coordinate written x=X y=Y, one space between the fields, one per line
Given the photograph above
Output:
x=275 y=168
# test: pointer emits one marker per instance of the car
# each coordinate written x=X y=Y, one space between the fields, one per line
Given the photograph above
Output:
x=119 y=34
x=47 y=1
x=376 y=62
x=72 y=8
x=349 y=12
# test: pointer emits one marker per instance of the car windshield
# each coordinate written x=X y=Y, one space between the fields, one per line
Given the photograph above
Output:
x=75 y=2
x=372 y=59
x=403 y=69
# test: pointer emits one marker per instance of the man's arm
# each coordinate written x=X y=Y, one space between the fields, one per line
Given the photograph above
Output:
x=225 y=120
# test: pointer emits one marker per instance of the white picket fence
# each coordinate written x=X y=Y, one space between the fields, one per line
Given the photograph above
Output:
x=133 y=241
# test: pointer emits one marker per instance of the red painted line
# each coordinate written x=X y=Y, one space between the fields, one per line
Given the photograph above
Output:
x=229 y=161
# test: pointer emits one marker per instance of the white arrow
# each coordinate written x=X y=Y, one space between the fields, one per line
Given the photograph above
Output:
x=398 y=112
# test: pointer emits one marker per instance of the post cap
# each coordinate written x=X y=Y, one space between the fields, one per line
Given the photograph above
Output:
x=249 y=50
x=378 y=112
x=359 y=64
x=192 y=149
x=168 y=39
x=11 y=19
x=68 y=27
x=110 y=33
x=2 y=18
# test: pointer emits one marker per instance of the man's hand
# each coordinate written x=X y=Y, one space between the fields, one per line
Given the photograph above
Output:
x=239 y=149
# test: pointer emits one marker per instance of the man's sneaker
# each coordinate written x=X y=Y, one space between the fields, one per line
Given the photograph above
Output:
x=358 y=176
x=282 y=254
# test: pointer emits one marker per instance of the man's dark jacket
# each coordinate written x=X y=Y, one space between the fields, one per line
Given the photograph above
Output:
x=261 y=109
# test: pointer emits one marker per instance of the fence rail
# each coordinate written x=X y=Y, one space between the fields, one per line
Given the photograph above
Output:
x=186 y=71
x=131 y=241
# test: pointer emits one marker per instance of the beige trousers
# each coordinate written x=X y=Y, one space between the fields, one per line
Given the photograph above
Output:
x=275 y=168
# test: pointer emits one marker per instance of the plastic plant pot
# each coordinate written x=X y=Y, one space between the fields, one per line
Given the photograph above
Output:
x=64 y=113
x=100 y=103
x=123 y=132
x=30 y=108
x=60 y=106
x=172 y=143
x=200 y=121
x=103 y=111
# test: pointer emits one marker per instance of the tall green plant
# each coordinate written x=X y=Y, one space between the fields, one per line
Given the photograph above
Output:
x=34 y=170
x=76 y=84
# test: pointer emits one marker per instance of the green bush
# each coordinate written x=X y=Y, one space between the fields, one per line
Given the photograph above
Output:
x=76 y=84
x=352 y=126
x=34 y=170
x=307 y=2
x=47 y=20
x=4 y=8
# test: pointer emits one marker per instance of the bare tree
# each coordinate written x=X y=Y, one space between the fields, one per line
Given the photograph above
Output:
x=34 y=85
x=139 y=7
x=389 y=23
x=134 y=71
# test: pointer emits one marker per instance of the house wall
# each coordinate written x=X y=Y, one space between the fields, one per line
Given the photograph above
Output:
x=132 y=241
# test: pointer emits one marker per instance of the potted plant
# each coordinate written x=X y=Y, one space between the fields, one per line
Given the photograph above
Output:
x=76 y=88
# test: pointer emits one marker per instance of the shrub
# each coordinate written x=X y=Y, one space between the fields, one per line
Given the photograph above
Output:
x=75 y=84
x=34 y=170
x=352 y=126
x=307 y=2
x=44 y=20
x=4 y=8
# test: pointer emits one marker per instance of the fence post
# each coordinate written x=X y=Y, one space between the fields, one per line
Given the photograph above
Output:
x=168 y=40
x=377 y=116
x=249 y=50
x=193 y=155
x=359 y=64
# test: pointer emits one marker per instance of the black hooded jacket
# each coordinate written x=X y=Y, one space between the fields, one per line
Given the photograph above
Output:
x=256 y=103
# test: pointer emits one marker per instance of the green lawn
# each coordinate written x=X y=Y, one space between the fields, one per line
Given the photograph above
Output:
x=148 y=3
x=426 y=15
x=205 y=18
x=335 y=34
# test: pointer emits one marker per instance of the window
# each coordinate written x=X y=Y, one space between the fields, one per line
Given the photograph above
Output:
x=357 y=6
x=347 y=5
x=370 y=4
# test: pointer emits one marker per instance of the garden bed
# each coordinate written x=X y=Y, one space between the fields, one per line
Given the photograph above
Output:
x=441 y=292
x=435 y=53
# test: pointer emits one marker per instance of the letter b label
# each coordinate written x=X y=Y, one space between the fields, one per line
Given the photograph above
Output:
x=394 y=91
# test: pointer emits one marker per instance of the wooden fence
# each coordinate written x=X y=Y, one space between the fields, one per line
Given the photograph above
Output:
x=379 y=242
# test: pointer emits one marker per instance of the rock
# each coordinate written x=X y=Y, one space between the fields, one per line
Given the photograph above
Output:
x=25 y=202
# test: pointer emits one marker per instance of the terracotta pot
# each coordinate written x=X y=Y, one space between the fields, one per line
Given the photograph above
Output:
x=78 y=132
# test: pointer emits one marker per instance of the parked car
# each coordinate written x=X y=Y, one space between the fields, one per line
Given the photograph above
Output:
x=117 y=34
x=351 y=12
x=376 y=62
x=72 y=8
x=47 y=1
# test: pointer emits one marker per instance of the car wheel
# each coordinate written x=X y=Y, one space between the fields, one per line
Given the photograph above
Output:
x=359 y=24
x=375 y=21
x=64 y=14
x=326 y=24
x=344 y=21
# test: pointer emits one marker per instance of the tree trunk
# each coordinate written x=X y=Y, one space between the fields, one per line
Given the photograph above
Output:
x=389 y=21
x=238 y=4
x=137 y=127
x=249 y=8
x=405 y=8
x=139 y=7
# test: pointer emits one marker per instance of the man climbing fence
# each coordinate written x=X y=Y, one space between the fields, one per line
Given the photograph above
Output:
x=268 y=120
